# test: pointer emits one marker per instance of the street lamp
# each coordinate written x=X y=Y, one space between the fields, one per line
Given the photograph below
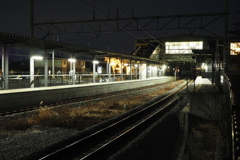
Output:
x=71 y=60
x=37 y=57
x=95 y=62
x=32 y=58
x=94 y=69
x=72 y=70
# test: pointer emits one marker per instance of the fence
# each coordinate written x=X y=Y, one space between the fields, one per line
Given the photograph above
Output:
x=23 y=81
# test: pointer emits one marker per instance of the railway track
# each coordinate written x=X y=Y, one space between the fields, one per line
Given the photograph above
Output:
x=107 y=141
x=68 y=101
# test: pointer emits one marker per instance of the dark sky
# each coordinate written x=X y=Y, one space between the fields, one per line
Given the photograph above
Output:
x=15 y=18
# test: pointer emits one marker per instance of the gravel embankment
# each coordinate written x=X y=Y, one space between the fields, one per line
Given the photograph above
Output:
x=32 y=143
x=28 y=144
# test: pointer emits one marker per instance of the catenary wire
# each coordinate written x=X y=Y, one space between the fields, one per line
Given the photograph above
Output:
x=120 y=27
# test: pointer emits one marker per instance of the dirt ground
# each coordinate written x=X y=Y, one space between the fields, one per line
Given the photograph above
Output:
x=202 y=139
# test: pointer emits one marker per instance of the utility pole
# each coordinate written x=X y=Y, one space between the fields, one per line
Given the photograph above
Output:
x=31 y=18
x=226 y=55
x=226 y=39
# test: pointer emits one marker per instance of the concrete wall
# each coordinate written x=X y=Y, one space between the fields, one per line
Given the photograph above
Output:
x=33 y=96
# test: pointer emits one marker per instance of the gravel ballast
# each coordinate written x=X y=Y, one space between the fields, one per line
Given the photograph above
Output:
x=35 y=142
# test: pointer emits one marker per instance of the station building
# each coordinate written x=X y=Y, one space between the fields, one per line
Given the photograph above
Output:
x=190 y=55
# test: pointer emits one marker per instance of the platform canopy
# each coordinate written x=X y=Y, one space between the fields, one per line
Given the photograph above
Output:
x=22 y=42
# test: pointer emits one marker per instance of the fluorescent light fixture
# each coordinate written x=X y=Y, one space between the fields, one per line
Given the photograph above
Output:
x=164 y=67
x=71 y=60
x=112 y=63
x=37 y=57
x=206 y=68
x=96 y=62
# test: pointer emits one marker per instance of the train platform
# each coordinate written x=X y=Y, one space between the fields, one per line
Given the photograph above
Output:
x=201 y=97
x=33 y=96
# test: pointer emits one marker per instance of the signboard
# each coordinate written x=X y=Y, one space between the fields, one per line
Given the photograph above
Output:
x=99 y=69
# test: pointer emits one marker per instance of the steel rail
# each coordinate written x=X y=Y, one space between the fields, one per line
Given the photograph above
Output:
x=66 y=101
x=105 y=150
x=97 y=140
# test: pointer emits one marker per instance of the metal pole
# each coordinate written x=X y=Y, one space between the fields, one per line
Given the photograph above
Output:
x=109 y=69
x=32 y=17
x=53 y=69
x=74 y=70
x=45 y=69
x=94 y=70
x=175 y=74
x=3 y=52
x=194 y=71
x=130 y=69
x=147 y=70
x=121 y=69
x=31 y=69
x=226 y=38
x=3 y=49
x=226 y=68
x=6 y=68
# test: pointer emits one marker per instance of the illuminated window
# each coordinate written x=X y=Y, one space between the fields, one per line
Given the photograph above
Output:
x=235 y=48
x=182 y=47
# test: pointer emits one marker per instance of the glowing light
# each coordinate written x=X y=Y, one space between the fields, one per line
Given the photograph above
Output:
x=125 y=64
x=235 y=48
x=95 y=62
x=37 y=57
x=112 y=63
x=183 y=47
x=71 y=60
x=206 y=68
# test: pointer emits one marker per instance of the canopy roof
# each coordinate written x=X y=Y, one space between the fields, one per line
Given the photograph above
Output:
x=22 y=42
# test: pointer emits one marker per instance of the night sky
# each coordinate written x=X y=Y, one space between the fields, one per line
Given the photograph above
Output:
x=15 y=18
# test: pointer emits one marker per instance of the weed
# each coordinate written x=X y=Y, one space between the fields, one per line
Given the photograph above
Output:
x=81 y=117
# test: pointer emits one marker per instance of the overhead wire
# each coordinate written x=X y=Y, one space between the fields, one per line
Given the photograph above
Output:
x=127 y=16
x=79 y=9
x=73 y=6
x=121 y=28
x=112 y=22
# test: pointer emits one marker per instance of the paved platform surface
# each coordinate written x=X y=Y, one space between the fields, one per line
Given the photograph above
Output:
x=34 y=96
x=201 y=97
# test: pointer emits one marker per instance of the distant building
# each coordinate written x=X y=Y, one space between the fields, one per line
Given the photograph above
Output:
x=186 y=53
x=234 y=54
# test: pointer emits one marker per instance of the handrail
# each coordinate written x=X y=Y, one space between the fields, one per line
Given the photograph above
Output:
x=234 y=145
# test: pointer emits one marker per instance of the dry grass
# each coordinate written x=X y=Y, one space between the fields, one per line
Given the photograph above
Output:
x=202 y=141
x=80 y=117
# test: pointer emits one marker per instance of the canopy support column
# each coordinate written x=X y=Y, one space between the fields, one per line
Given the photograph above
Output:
x=45 y=69
x=31 y=69
x=5 y=68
